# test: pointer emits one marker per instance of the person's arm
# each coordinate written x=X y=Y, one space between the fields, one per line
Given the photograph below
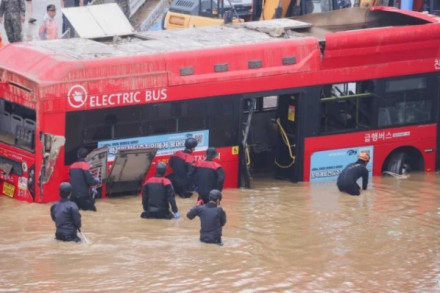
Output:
x=171 y=161
x=222 y=216
x=192 y=213
x=171 y=197
x=52 y=212
x=62 y=3
x=42 y=30
x=192 y=173
x=81 y=2
x=90 y=179
x=190 y=169
x=76 y=216
x=220 y=178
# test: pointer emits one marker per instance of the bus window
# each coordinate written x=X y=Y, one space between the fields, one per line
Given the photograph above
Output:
x=406 y=101
x=17 y=125
x=216 y=114
x=193 y=116
x=223 y=121
x=346 y=107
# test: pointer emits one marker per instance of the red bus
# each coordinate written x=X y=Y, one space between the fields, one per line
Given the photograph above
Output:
x=290 y=98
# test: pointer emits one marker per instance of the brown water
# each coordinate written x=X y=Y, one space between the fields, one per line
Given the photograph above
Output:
x=280 y=237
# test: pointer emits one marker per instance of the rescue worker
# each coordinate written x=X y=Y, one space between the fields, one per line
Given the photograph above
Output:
x=82 y=182
x=352 y=172
x=212 y=218
x=208 y=175
x=182 y=163
x=66 y=215
x=158 y=195
x=13 y=12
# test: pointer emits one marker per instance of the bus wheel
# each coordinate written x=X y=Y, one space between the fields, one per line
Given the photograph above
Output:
x=399 y=163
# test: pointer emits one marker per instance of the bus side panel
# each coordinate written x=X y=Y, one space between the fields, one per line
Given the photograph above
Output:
x=384 y=141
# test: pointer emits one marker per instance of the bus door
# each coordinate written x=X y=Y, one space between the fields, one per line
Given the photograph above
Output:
x=268 y=138
x=285 y=142
x=128 y=171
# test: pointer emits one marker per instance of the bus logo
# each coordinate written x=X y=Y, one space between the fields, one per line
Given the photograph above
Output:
x=77 y=96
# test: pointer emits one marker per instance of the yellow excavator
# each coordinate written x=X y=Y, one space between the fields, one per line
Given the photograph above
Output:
x=196 y=13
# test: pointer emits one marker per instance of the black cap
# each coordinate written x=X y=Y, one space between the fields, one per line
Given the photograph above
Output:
x=215 y=195
x=190 y=143
x=82 y=153
x=161 y=168
x=65 y=189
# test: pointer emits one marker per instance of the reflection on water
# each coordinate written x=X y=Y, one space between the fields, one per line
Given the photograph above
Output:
x=280 y=237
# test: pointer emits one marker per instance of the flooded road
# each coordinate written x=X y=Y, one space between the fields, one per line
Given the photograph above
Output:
x=280 y=237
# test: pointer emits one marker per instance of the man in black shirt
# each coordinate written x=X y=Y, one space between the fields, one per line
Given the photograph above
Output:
x=158 y=195
x=66 y=216
x=182 y=163
x=82 y=181
x=352 y=172
x=208 y=175
x=212 y=218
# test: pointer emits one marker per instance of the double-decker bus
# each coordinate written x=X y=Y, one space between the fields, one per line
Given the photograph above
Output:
x=290 y=98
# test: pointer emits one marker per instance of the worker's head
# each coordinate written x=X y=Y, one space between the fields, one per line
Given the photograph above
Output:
x=364 y=156
x=190 y=143
x=211 y=153
x=82 y=153
x=65 y=189
x=215 y=196
x=161 y=168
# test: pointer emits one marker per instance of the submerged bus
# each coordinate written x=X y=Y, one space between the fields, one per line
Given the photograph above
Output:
x=291 y=98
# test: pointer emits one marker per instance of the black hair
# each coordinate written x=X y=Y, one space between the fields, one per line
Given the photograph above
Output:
x=50 y=7
x=211 y=153
x=82 y=153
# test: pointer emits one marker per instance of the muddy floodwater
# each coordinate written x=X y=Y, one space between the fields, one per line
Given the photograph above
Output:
x=279 y=237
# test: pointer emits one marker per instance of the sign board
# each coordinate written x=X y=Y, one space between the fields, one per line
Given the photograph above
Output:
x=327 y=165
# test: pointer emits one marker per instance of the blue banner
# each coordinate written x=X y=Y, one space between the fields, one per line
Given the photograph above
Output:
x=166 y=143
x=327 y=165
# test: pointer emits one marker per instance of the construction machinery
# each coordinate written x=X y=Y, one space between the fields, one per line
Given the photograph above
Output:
x=196 y=13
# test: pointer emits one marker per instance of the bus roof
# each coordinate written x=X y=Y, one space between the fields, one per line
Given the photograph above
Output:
x=53 y=61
